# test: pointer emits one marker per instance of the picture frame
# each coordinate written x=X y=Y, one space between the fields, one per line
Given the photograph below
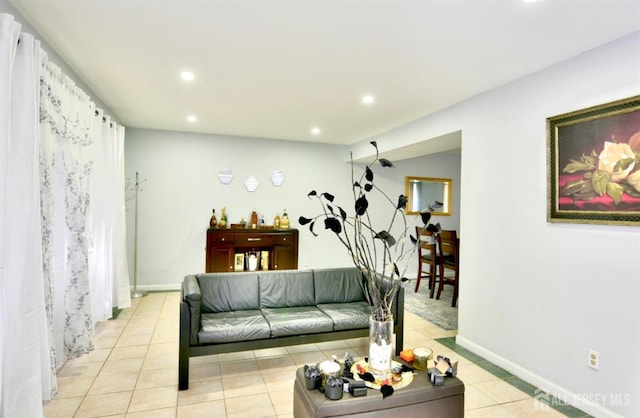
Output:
x=424 y=191
x=593 y=164
x=239 y=262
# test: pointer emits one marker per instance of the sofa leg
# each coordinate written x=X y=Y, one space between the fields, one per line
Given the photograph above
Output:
x=183 y=350
x=183 y=372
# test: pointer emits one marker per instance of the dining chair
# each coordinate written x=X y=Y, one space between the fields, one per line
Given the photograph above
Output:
x=427 y=256
x=449 y=249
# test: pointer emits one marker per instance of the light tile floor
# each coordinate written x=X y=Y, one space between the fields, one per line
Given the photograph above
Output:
x=133 y=372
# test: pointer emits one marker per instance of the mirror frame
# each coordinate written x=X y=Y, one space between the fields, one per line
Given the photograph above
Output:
x=446 y=198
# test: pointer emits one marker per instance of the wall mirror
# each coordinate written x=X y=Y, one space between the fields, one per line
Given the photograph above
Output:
x=423 y=191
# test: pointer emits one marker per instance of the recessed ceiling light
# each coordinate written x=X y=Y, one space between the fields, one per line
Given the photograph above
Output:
x=186 y=75
x=192 y=118
x=315 y=131
x=368 y=99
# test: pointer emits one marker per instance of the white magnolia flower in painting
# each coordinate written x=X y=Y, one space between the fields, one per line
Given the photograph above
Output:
x=609 y=157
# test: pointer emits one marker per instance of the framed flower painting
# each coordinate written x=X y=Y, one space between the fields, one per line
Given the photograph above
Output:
x=594 y=164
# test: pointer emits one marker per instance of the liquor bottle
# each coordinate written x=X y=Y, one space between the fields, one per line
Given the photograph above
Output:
x=284 y=222
x=213 y=222
x=276 y=222
x=254 y=219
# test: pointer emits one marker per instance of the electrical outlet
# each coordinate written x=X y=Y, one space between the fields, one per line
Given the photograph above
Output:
x=594 y=359
x=305 y=263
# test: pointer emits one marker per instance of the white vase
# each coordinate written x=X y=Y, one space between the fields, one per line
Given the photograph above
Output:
x=380 y=348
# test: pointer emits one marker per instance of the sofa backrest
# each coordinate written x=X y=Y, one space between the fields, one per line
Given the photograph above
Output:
x=224 y=292
x=338 y=285
x=286 y=288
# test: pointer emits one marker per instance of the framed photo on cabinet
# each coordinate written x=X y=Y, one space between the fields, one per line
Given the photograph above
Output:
x=239 y=262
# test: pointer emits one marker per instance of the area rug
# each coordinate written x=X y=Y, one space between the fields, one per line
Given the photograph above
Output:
x=438 y=312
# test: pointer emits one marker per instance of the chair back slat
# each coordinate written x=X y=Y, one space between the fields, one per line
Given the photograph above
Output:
x=427 y=255
x=448 y=253
x=449 y=246
x=427 y=242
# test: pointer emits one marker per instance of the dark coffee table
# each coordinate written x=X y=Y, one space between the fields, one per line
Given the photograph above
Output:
x=419 y=399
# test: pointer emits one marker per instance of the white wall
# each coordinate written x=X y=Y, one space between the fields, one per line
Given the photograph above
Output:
x=536 y=296
x=180 y=187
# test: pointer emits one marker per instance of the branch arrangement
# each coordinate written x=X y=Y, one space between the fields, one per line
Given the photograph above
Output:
x=368 y=246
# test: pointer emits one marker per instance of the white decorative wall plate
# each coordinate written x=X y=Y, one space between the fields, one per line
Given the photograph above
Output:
x=251 y=184
x=277 y=178
x=225 y=176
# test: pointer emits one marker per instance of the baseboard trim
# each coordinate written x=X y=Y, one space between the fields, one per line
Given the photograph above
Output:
x=545 y=386
x=159 y=287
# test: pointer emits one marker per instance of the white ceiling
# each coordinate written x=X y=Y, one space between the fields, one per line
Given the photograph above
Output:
x=274 y=69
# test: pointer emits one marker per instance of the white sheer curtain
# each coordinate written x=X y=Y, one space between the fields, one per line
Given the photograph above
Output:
x=27 y=377
x=110 y=279
x=82 y=156
x=113 y=136
x=66 y=129
x=62 y=221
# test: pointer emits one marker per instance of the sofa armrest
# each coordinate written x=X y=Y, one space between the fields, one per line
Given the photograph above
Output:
x=192 y=296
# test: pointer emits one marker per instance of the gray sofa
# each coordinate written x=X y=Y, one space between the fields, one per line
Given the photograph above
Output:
x=228 y=312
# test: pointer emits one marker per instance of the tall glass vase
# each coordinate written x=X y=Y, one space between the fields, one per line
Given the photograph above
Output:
x=380 y=347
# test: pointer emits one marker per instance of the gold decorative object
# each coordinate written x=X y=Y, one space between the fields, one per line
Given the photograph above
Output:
x=284 y=221
x=397 y=380
x=223 y=218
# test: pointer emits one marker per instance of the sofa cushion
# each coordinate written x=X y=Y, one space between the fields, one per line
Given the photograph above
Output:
x=286 y=288
x=224 y=327
x=297 y=320
x=354 y=315
x=338 y=285
x=224 y=292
